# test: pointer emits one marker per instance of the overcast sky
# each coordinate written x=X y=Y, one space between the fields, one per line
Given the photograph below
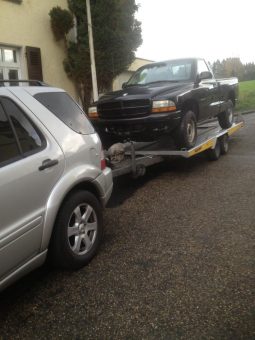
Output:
x=214 y=29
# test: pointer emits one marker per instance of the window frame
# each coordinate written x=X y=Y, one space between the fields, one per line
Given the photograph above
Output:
x=18 y=157
x=23 y=154
x=7 y=66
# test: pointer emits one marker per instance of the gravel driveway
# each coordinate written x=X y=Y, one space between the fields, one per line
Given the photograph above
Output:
x=177 y=260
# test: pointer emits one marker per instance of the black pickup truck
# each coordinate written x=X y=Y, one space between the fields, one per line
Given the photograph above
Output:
x=168 y=97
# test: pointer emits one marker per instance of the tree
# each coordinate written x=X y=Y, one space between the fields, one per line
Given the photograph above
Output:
x=233 y=67
x=230 y=67
x=249 y=71
x=218 y=69
x=117 y=35
x=61 y=22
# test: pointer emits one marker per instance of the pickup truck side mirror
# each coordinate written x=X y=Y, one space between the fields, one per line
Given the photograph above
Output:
x=204 y=75
x=124 y=84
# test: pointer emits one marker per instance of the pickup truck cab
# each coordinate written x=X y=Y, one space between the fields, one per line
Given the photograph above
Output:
x=168 y=97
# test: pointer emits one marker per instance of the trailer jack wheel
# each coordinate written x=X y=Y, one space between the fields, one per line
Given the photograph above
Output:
x=139 y=171
x=214 y=154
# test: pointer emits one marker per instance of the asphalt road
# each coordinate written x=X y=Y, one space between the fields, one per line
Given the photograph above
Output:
x=177 y=260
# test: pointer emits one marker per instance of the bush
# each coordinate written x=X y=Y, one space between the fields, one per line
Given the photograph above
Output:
x=61 y=22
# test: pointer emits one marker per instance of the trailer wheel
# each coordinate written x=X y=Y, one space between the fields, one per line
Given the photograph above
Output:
x=224 y=144
x=186 y=134
x=140 y=171
x=226 y=118
x=214 y=154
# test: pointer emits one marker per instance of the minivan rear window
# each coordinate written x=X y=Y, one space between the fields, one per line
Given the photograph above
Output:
x=67 y=110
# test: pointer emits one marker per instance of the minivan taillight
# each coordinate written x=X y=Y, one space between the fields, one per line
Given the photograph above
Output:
x=103 y=162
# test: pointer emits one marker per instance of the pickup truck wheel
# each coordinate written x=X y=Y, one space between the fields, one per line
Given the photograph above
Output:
x=214 y=154
x=226 y=118
x=186 y=134
x=78 y=231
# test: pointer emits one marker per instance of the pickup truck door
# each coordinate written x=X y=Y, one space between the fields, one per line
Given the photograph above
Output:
x=208 y=93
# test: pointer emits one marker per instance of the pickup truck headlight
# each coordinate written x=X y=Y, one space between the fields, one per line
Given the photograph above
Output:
x=163 y=106
x=92 y=112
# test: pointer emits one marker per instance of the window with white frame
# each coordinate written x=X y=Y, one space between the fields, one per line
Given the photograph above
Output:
x=10 y=64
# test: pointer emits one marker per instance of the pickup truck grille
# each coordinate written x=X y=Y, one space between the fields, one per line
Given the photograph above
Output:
x=124 y=108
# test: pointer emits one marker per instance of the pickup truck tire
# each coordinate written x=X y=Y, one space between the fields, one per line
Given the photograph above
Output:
x=226 y=118
x=224 y=140
x=186 y=133
x=78 y=231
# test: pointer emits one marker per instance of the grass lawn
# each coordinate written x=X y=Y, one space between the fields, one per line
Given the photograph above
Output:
x=246 y=96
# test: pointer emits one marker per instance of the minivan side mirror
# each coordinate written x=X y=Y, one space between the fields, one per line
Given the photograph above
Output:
x=124 y=84
x=204 y=75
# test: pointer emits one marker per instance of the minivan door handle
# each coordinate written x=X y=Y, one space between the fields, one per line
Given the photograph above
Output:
x=48 y=163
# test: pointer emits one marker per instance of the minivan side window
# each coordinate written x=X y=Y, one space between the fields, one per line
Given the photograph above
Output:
x=28 y=137
x=8 y=145
x=67 y=110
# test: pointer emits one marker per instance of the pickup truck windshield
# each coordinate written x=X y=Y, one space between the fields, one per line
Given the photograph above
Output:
x=172 y=71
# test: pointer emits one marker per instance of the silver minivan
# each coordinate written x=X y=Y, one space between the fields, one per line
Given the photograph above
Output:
x=53 y=182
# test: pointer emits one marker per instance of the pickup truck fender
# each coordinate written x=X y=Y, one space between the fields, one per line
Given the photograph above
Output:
x=187 y=102
x=185 y=98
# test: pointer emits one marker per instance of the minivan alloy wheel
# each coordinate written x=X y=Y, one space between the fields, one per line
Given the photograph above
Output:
x=78 y=230
x=82 y=229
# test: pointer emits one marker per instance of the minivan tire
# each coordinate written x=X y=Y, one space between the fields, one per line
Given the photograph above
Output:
x=226 y=118
x=78 y=231
x=186 y=133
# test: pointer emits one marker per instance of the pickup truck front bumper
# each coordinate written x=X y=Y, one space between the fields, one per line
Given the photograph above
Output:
x=140 y=128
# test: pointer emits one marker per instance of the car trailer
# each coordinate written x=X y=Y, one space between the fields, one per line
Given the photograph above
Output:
x=134 y=157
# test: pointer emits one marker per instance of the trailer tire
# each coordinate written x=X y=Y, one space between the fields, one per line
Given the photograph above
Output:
x=214 y=154
x=186 y=134
x=226 y=118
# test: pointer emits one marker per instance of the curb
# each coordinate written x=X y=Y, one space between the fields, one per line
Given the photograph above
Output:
x=246 y=112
